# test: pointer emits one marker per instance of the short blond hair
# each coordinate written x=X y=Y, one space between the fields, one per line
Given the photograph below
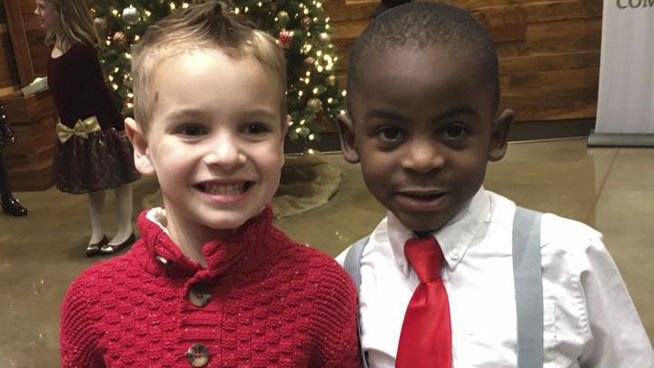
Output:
x=74 y=23
x=200 y=27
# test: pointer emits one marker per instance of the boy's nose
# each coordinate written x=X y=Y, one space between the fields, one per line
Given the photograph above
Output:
x=225 y=153
x=422 y=157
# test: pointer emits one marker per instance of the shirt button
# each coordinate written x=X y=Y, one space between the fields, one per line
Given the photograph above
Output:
x=199 y=295
x=197 y=355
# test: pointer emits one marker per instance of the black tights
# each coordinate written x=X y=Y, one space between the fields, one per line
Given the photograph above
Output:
x=5 y=191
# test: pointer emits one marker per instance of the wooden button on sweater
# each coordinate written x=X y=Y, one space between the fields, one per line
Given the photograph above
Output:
x=197 y=355
x=199 y=295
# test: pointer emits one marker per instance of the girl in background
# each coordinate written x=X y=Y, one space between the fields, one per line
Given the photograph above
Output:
x=10 y=205
x=92 y=153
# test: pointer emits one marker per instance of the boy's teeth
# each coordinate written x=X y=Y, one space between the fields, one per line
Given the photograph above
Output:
x=223 y=188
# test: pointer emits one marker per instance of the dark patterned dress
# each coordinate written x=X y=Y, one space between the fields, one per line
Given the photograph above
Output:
x=7 y=135
x=99 y=158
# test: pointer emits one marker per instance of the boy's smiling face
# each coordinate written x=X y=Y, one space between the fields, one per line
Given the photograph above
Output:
x=422 y=124
x=215 y=140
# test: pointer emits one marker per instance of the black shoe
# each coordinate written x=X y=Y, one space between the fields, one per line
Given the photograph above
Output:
x=93 y=249
x=12 y=207
x=115 y=248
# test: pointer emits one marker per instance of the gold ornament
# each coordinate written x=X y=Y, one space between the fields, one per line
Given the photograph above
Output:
x=100 y=25
x=331 y=79
x=315 y=105
x=283 y=18
x=120 y=38
x=306 y=22
x=325 y=37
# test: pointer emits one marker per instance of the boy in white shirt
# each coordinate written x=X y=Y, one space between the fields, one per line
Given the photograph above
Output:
x=422 y=120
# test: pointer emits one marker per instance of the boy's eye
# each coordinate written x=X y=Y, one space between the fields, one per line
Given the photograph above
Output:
x=255 y=128
x=391 y=133
x=454 y=131
x=191 y=130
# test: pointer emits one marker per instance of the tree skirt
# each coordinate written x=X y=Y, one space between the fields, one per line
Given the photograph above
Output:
x=308 y=181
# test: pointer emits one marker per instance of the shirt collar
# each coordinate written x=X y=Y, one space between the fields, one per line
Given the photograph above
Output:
x=455 y=237
x=247 y=247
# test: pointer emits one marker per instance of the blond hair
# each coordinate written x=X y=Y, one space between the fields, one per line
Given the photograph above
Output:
x=198 y=27
x=74 y=24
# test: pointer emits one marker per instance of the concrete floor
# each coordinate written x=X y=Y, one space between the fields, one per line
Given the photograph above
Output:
x=610 y=189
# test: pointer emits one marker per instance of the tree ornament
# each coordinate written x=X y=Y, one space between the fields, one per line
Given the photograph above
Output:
x=120 y=38
x=325 y=37
x=315 y=105
x=283 y=18
x=319 y=89
x=131 y=15
x=285 y=38
x=312 y=59
x=306 y=22
x=100 y=25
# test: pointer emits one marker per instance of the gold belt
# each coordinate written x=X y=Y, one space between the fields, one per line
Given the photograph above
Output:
x=81 y=129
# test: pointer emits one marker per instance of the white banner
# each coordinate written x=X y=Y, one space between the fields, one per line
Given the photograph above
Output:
x=625 y=106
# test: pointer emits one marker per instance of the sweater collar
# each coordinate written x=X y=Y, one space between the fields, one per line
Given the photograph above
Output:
x=246 y=246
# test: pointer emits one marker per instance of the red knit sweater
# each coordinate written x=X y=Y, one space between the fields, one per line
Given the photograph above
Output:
x=272 y=303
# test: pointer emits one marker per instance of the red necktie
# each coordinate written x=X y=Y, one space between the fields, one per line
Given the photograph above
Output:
x=426 y=337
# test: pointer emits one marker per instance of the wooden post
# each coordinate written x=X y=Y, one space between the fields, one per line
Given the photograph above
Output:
x=19 y=42
x=30 y=159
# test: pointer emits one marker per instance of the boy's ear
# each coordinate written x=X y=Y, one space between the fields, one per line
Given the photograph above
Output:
x=346 y=136
x=142 y=160
x=500 y=135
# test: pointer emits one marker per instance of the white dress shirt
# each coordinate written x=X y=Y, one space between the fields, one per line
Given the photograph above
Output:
x=589 y=318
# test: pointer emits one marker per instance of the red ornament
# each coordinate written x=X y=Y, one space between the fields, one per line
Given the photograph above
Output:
x=284 y=39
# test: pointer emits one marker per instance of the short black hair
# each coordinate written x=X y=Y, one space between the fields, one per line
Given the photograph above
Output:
x=420 y=25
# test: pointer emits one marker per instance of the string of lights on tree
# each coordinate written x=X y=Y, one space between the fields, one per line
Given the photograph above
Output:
x=301 y=27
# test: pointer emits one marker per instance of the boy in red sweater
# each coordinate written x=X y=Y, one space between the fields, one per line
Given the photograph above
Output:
x=211 y=283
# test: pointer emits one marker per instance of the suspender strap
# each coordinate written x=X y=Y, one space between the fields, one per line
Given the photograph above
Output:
x=528 y=282
x=352 y=265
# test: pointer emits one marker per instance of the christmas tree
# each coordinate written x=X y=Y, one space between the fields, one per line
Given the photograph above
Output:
x=301 y=27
